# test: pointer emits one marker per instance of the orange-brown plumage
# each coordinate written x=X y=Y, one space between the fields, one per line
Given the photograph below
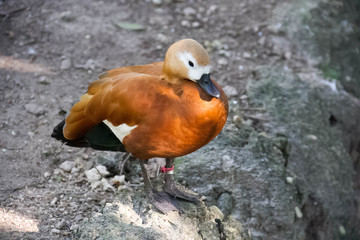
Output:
x=173 y=115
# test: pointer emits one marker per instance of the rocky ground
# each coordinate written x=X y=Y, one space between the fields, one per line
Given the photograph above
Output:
x=285 y=167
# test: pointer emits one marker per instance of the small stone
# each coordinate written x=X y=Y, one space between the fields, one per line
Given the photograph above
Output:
x=55 y=231
x=92 y=175
x=223 y=61
x=74 y=227
x=225 y=53
x=212 y=9
x=342 y=230
x=195 y=24
x=189 y=11
x=88 y=165
x=185 y=23
x=157 y=2
x=244 y=97
x=43 y=80
x=255 y=29
x=289 y=180
x=230 y=91
x=34 y=109
x=311 y=137
x=47 y=174
x=65 y=64
x=298 y=212
x=95 y=184
x=232 y=231
x=67 y=166
x=58 y=171
x=162 y=38
x=247 y=55
x=263 y=134
x=75 y=170
x=262 y=41
x=275 y=28
x=288 y=55
x=31 y=51
x=228 y=163
x=118 y=180
x=61 y=224
x=106 y=185
x=67 y=16
x=78 y=218
x=102 y=170
x=55 y=199
x=237 y=120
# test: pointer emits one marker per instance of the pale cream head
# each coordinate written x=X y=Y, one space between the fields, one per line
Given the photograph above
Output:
x=186 y=59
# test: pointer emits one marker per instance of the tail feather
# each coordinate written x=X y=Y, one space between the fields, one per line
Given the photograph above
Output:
x=99 y=138
x=58 y=131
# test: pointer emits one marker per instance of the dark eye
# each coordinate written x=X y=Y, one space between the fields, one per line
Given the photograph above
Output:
x=191 y=64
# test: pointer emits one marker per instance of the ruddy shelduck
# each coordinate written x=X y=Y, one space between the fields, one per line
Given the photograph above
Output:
x=165 y=109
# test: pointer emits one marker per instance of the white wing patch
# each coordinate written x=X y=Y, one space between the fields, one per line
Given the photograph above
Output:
x=120 y=131
x=195 y=72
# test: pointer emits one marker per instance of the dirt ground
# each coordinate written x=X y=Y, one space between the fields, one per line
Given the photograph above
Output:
x=51 y=50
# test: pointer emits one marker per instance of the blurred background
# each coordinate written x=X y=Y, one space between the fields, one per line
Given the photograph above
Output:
x=286 y=166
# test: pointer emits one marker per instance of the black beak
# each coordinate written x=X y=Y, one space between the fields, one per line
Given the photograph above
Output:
x=208 y=86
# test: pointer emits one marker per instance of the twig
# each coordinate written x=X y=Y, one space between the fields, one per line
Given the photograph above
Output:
x=257 y=118
x=7 y=13
x=123 y=162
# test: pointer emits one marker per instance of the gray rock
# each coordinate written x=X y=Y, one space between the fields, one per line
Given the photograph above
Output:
x=59 y=172
x=288 y=55
x=65 y=64
x=247 y=55
x=223 y=61
x=188 y=11
x=47 y=174
x=34 y=109
x=102 y=170
x=67 y=166
x=118 y=180
x=89 y=165
x=67 y=16
x=309 y=114
x=336 y=45
x=157 y=2
x=106 y=185
x=129 y=217
x=251 y=167
x=262 y=41
x=55 y=231
x=185 y=23
x=53 y=202
x=225 y=203
x=43 y=80
x=195 y=24
x=60 y=225
x=92 y=175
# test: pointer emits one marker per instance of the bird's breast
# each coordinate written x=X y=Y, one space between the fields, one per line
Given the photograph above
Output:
x=175 y=129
